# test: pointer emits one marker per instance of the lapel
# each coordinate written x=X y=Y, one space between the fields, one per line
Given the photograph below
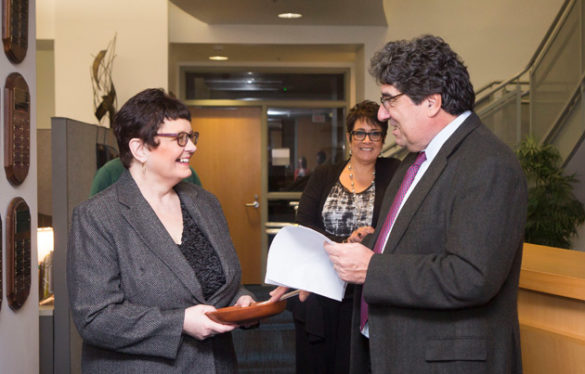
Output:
x=425 y=184
x=148 y=227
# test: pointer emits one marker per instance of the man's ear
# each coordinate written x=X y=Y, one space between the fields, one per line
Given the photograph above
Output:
x=433 y=104
x=139 y=150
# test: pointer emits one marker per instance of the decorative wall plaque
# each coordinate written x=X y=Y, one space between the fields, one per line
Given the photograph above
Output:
x=18 y=254
x=15 y=29
x=16 y=128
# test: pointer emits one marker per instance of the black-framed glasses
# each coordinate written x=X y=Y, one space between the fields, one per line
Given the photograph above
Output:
x=183 y=137
x=388 y=101
x=360 y=135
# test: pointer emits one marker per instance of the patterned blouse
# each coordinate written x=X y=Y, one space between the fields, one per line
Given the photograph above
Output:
x=345 y=211
x=201 y=256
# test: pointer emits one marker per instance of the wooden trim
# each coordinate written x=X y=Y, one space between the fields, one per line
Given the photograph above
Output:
x=545 y=351
x=553 y=271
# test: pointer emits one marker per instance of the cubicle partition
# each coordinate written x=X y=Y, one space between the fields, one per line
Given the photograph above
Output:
x=74 y=163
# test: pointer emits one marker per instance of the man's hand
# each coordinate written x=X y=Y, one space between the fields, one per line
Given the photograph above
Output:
x=350 y=261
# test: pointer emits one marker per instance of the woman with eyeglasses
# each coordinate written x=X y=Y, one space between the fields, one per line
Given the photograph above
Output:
x=341 y=201
x=149 y=256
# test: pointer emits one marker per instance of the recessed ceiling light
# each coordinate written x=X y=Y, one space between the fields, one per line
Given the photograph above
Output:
x=290 y=15
x=218 y=58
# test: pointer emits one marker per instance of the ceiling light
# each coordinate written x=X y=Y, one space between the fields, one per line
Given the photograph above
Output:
x=218 y=58
x=290 y=15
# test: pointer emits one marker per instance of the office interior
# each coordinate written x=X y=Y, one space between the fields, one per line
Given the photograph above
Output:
x=526 y=60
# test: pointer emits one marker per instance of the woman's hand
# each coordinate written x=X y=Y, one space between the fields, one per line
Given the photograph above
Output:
x=199 y=326
x=244 y=301
x=279 y=291
x=359 y=234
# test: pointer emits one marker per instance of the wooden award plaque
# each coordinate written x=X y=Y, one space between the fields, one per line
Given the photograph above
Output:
x=18 y=253
x=16 y=128
x=15 y=29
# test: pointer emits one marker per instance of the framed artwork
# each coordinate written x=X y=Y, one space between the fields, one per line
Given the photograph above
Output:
x=18 y=253
x=16 y=128
x=15 y=29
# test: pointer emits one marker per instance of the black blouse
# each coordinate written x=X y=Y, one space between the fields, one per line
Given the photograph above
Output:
x=201 y=256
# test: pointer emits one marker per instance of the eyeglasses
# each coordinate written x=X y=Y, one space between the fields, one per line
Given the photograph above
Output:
x=183 y=137
x=360 y=135
x=388 y=101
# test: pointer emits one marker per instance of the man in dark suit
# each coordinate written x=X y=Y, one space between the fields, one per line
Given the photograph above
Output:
x=439 y=276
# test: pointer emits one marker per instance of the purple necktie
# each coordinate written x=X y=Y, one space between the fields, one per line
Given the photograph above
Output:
x=389 y=221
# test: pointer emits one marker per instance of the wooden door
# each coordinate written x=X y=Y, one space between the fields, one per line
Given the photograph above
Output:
x=228 y=162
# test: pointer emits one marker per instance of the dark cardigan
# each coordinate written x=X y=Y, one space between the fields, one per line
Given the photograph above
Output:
x=324 y=178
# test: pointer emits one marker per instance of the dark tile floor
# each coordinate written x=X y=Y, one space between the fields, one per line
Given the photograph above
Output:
x=269 y=348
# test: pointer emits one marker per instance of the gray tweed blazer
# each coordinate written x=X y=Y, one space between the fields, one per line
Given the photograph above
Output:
x=129 y=284
x=442 y=295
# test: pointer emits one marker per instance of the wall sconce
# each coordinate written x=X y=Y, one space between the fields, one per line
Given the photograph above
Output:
x=45 y=245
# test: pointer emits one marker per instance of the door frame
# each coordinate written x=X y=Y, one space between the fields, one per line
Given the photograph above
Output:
x=264 y=105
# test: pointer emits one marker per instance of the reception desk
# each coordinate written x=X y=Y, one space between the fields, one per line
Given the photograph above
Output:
x=551 y=307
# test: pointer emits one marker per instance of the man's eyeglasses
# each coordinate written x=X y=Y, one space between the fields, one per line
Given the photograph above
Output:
x=183 y=137
x=360 y=135
x=388 y=101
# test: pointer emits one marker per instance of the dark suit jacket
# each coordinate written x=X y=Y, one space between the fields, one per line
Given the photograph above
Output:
x=129 y=284
x=442 y=295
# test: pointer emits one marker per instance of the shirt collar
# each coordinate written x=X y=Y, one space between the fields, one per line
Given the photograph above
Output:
x=437 y=142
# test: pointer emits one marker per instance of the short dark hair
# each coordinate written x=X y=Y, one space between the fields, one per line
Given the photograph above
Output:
x=424 y=66
x=141 y=116
x=368 y=111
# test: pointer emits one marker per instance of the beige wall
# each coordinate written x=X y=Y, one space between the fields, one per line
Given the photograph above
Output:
x=496 y=39
x=19 y=331
x=81 y=29
x=492 y=37
x=45 y=84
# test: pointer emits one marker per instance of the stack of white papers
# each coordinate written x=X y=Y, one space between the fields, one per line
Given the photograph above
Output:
x=297 y=259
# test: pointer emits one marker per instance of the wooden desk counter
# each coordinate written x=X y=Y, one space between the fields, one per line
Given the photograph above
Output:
x=551 y=307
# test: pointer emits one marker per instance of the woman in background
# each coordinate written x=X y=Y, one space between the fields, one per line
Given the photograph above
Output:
x=340 y=200
x=149 y=256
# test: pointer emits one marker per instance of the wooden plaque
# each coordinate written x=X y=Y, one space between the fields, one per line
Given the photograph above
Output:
x=16 y=128
x=18 y=253
x=15 y=29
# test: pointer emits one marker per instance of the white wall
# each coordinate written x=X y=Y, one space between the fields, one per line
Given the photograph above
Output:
x=81 y=28
x=19 y=331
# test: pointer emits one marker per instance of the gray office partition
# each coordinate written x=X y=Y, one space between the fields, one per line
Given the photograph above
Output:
x=73 y=151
